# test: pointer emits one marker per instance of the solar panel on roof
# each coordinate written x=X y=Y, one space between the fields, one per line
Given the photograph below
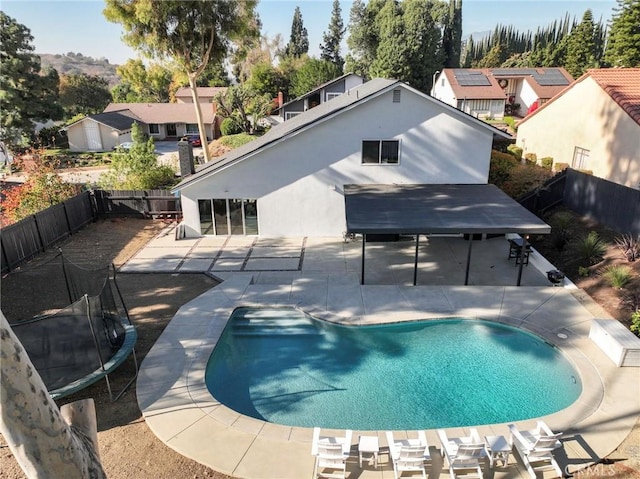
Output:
x=550 y=78
x=470 y=78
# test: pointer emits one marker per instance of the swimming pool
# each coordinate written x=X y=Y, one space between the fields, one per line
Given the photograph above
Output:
x=282 y=366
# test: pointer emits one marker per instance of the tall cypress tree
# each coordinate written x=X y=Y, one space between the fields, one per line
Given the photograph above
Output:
x=330 y=48
x=452 y=35
x=581 y=47
x=623 y=46
x=299 y=41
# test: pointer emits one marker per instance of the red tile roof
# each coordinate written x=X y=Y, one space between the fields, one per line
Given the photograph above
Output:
x=622 y=85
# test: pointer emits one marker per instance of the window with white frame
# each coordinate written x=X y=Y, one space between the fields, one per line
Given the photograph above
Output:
x=154 y=129
x=330 y=95
x=380 y=152
x=580 y=158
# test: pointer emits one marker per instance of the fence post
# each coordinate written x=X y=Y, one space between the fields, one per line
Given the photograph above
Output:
x=66 y=217
x=42 y=245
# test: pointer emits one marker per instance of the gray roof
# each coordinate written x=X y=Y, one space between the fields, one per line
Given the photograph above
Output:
x=306 y=119
x=318 y=88
x=116 y=120
x=436 y=209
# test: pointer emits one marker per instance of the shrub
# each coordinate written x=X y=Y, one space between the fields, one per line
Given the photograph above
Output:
x=500 y=167
x=524 y=178
x=560 y=166
x=617 y=276
x=589 y=248
x=561 y=229
x=547 y=162
x=234 y=141
x=635 y=322
x=230 y=126
x=515 y=151
x=629 y=246
x=531 y=158
x=583 y=272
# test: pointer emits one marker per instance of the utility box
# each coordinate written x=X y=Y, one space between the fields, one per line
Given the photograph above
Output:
x=616 y=341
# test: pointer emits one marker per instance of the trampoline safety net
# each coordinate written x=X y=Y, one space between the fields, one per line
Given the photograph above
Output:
x=78 y=343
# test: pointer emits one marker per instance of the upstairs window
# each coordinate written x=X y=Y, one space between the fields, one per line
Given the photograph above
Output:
x=378 y=152
x=580 y=158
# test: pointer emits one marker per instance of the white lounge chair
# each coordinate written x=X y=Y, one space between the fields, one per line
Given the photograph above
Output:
x=463 y=454
x=536 y=448
x=408 y=455
x=331 y=453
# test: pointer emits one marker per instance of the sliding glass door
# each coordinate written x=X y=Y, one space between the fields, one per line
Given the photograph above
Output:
x=228 y=216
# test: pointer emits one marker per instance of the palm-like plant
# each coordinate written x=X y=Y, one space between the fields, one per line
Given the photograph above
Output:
x=589 y=249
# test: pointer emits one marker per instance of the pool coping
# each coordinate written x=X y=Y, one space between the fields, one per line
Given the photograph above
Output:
x=179 y=409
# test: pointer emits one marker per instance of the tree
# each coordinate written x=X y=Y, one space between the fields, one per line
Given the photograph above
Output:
x=452 y=35
x=363 y=36
x=390 y=59
x=581 y=47
x=311 y=74
x=299 y=40
x=25 y=95
x=623 y=46
x=330 y=48
x=267 y=79
x=83 y=94
x=42 y=189
x=142 y=84
x=137 y=168
x=46 y=441
x=245 y=106
x=191 y=33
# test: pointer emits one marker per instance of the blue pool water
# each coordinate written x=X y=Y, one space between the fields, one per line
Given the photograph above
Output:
x=282 y=366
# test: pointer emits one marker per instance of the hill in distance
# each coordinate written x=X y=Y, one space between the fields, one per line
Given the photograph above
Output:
x=76 y=63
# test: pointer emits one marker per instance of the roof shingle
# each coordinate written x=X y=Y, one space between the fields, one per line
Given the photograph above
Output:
x=622 y=85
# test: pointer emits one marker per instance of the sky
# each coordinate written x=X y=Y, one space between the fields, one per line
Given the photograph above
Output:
x=62 y=26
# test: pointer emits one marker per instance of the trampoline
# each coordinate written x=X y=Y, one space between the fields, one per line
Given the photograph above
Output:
x=85 y=341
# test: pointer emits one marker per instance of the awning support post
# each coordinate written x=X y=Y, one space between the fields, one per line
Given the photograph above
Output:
x=415 y=263
x=364 y=240
x=522 y=254
x=466 y=274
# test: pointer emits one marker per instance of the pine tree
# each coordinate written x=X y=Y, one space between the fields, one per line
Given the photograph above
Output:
x=25 y=94
x=299 y=41
x=330 y=48
x=623 y=47
x=581 y=47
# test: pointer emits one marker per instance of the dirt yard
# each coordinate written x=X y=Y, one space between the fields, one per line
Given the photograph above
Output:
x=128 y=448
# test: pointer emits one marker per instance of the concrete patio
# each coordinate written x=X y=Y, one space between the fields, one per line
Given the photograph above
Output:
x=321 y=276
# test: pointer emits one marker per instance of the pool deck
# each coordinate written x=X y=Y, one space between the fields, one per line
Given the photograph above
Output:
x=321 y=277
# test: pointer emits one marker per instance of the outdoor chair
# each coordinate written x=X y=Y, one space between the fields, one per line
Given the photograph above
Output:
x=408 y=455
x=331 y=453
x=536 y=448
x=463 y=454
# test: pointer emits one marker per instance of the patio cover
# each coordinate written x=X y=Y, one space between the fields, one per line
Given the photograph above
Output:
x=436 y=209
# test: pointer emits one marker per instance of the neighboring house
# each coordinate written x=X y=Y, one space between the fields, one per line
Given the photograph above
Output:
x=171 y=120
x=205 y=94
x=290 y=181
x=102 y=131
x=318 y=96
x=490 y=92
x=594 y=124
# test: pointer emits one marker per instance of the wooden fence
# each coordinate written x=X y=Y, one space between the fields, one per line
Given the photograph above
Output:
x=608 y=203
x=35 y=234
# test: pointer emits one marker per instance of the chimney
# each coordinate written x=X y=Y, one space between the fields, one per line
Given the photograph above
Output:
x=185 y=158
x=280 y=99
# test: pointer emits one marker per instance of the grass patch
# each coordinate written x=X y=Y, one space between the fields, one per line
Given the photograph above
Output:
x=234 y=141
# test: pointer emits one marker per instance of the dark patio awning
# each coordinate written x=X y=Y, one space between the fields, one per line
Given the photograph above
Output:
x=436 y=209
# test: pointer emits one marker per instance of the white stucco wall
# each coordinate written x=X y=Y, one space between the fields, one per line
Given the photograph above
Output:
x=526 y=96
x=586 y=117
x=442 y=91
x=78 y=139
x=299 y=182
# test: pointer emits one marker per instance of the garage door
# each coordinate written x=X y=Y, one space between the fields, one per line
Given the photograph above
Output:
x=92 y=132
